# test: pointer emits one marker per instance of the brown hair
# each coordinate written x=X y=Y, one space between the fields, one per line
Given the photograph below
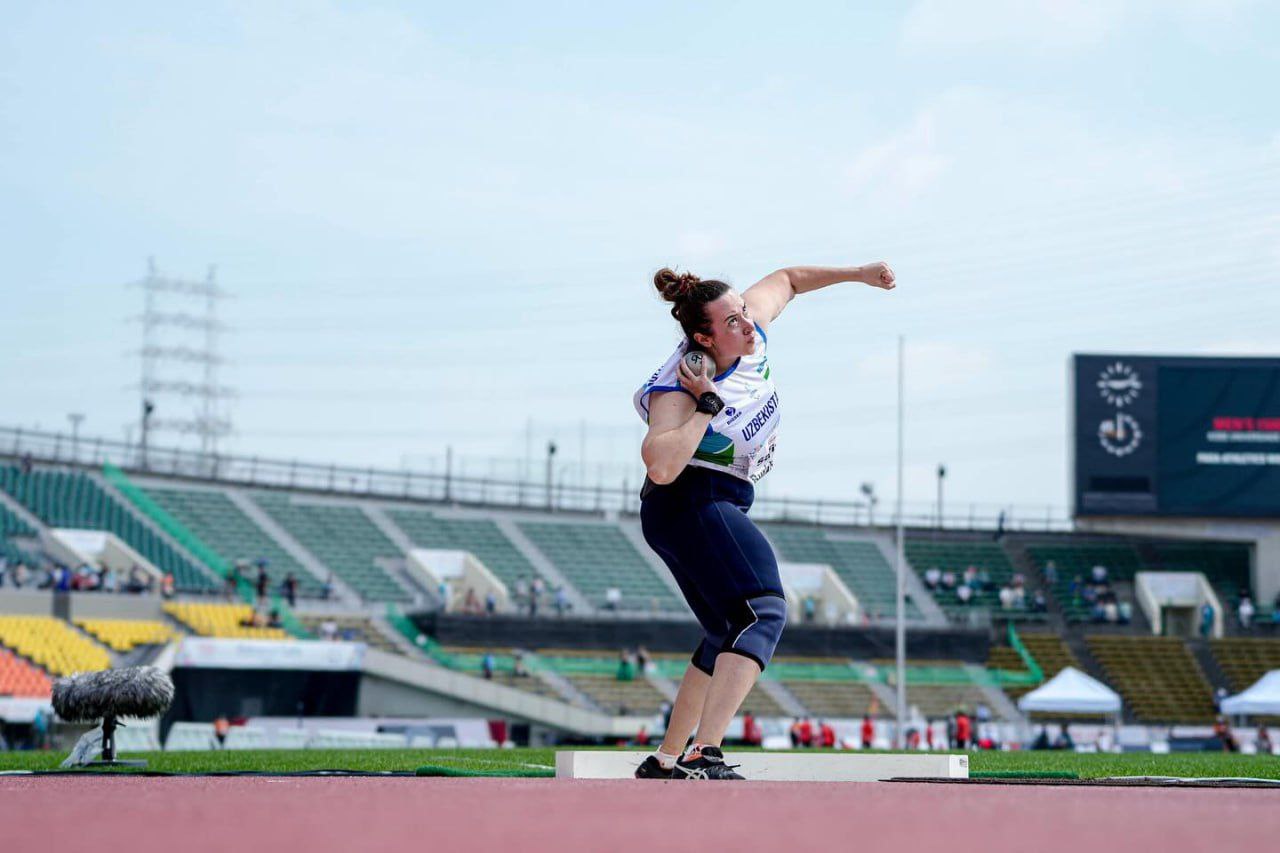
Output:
x=689 y=296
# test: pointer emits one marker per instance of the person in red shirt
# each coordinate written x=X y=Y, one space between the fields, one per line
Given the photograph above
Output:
x=964 y=730
x=868 y=731
x=806 y=732
x=828 y=734
x=752 y=733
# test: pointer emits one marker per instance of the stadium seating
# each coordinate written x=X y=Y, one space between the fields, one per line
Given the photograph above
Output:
x=52 y=644
x=1158 y=678
x=831 y=698
x=956 y=555
x=1244 y=660
x=11 y=525
x=859 y=564
x=19 y=678
x=1070 y=561
x=343 y=539
x=220 y=620
x=597 y=557
x=221 y=525
x=122 y=635
x=1224 y=564
x=359 y=629
x=481 y=537
x=71 y=499
x=637 y=697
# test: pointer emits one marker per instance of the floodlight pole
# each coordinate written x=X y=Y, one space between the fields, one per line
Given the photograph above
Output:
x=900 y=567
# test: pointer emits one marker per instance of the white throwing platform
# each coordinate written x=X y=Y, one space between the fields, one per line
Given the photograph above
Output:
x=780 y=766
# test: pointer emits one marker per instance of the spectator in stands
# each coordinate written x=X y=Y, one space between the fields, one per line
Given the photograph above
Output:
x=752 y=733
x=274 y=621
x=867 y=731
x=1245 y=611
x=25 y=464
x=471 y=602
x=4 y=569
x=232 y=586
x=220 y=728
x=1050 y=573
x=971 y=577
x=290 y=585
x=263 y=582
x=20 y=573
x=1222 y=731
x=109 y=581
x=486 y=665
x=964 y=730
x=1099 y=574
x=490 y=603
x=612 y=598
x=806 y=732
x=327 y=589
x=1042 y=739
x=948 y=580
x=329 y=630
x=536 y=588
x=1006 y=597
x=810 y=608
x=932 y=578
x=643 y=659
x=520 y=591
x=963 y=594
x=1064 y=740
x=626 y=666
x=562 y=600
x=1125 y=610
x=1110 y=610
x=999 y=534
x=167 y=588
x=1038 y=602
x=40 y=730
x=1206 y=619
x=1263 y=740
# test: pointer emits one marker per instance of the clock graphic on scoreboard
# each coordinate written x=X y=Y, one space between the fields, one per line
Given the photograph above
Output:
x=1120 y=435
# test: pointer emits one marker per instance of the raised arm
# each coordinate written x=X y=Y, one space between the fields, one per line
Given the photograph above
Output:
x=767 y=297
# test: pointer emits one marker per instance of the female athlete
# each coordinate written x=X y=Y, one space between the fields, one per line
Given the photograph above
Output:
x=710 y=438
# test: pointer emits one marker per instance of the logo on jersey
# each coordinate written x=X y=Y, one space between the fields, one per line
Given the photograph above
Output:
x=731 y=414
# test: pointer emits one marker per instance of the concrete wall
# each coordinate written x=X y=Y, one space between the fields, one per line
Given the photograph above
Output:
x=380 y=697
x=80 y=605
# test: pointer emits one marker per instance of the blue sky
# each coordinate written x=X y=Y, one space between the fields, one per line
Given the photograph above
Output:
x=439 y=224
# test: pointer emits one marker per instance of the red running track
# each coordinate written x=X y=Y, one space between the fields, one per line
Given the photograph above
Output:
x=304 y=815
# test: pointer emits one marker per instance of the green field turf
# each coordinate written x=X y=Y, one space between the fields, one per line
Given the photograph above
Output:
x=1199 y=764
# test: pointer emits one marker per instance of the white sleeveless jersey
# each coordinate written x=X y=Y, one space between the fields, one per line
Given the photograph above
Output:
x=741 y=439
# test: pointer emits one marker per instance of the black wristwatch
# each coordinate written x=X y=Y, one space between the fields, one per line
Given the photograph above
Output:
x=710 y=404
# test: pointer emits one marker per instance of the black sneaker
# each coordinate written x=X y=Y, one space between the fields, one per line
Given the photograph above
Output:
x=706 y=763
x=651 y=768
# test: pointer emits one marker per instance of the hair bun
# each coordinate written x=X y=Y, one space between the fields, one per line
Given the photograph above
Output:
x=674 y=286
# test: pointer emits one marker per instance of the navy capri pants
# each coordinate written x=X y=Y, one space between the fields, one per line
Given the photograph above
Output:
x=723 y=564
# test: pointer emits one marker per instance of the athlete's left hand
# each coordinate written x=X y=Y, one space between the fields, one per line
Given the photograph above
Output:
x=878 y=275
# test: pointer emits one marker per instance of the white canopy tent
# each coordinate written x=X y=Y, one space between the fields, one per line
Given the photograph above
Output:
x=1262 y=698
x=1071 y=692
